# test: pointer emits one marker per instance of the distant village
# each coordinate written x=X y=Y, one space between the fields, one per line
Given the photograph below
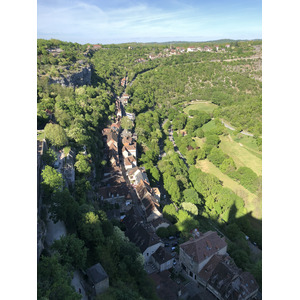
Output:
x=172 y=51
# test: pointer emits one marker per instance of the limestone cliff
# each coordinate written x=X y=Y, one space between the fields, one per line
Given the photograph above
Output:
x=74 y=78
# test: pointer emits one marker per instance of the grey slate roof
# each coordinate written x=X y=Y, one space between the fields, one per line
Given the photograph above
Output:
x=96 y=273
x=162 y=256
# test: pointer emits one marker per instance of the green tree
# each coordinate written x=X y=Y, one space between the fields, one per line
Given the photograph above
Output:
x=126 y=123
x=72 y=251
x=52 y=180
x=217 y=156
x=170 y=213
x=63 y=207
x=49 y=157
x=83 y=163
x=155 y=173
x=162 y=232
x=212 y=139
x=90 y=230
x=54 y=280
x=185 y=222
x=190 y=207
x=56 y=135
x=190 y=195
x=228 y=165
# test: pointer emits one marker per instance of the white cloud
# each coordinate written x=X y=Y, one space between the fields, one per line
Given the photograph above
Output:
x=83 y=22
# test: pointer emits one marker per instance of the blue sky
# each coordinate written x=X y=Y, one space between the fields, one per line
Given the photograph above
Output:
x=116 y=21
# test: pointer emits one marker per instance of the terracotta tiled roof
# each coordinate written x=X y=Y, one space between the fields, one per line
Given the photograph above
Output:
x=153 y=209
x=142 y=188
x=204 y=246
x=128 y=161
x=127 y=140
x=132 y=171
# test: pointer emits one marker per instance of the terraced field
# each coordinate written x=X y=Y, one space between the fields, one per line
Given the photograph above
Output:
x=243 y=155
x=252 y=201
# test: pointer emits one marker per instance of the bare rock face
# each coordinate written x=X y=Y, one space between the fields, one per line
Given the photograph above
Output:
x=69 y=170
x=75 y=79
x=41 y=234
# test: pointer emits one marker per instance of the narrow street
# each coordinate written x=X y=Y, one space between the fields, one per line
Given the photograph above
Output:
x=54 y=231
x=132 y=191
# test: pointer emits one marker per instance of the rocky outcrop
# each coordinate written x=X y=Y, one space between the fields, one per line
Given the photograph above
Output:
x=69 y=170
x=74 y=78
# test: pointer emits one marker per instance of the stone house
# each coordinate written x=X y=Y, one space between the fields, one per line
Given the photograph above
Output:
x=98 y=279
x=195 y=253
x=149 y=202
x=116 y=126
x=142 y=189
x=137 y=174
x=152 y=212
x=227 y=281
x=162 y=259
x=111 y=137
x=142 y=237
x=191 y=49
x=114 y=194
x=156 y=193
x=130 y=162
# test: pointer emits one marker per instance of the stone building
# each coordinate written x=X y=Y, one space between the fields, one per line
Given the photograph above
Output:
x=195 y=253
x=98 y=279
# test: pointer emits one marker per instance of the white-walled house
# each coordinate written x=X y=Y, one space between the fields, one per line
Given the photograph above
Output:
x=162 y=259
x=195 y=254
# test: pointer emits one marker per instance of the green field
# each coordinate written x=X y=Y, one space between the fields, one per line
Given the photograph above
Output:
x=244 y=155
x=252 y=202
x=209 y=126
x=199 y=142
x=201 y=105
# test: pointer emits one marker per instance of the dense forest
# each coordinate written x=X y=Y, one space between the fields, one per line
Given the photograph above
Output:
x=71 y=118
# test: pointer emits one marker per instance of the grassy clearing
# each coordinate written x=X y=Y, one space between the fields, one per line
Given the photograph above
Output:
x=203 y=106
x=249 y=143
x=209 y=126
x=199 y=142
x=242 y=155
x=252 y=202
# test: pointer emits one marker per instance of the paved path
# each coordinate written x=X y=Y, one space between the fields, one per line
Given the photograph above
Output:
x=76 y=282
x=231 y=128
x=54 y=230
